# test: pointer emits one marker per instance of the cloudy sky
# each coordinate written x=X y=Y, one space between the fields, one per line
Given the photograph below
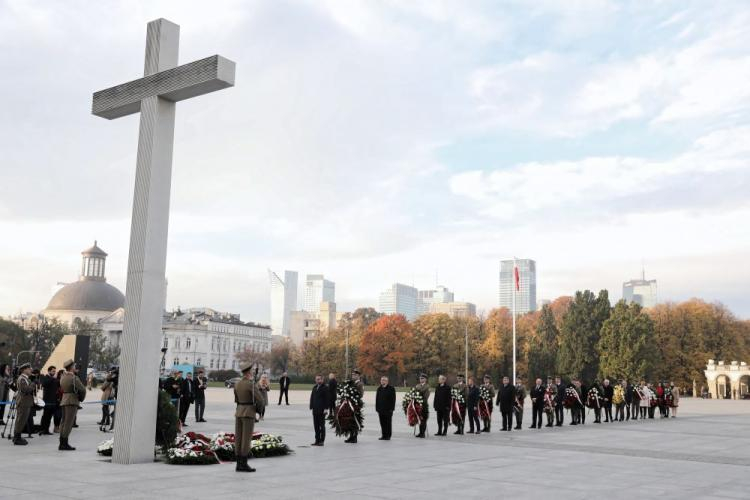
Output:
x=383 y=141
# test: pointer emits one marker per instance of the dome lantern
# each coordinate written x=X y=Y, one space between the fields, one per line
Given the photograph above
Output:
x=92 y=264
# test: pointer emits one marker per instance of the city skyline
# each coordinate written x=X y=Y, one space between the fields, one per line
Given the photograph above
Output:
x=471 y=132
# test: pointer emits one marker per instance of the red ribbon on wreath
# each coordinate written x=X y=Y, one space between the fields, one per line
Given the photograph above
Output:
x=414 y=414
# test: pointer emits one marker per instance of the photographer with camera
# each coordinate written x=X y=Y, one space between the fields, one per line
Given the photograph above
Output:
x=109 y=393
x=50 y=386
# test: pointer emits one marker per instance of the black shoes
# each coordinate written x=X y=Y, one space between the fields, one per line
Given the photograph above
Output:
x=242 y=465
x=64 y=446
x=19 y=441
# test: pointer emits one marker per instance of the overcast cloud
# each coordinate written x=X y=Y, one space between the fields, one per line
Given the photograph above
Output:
x=377 y=142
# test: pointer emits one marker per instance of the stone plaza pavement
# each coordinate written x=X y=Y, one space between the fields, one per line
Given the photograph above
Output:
x=704 y=453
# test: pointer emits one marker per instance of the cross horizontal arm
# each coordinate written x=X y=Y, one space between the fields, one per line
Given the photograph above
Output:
x=183 y=82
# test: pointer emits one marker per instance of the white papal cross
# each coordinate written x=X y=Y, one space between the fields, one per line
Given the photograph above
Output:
x=163 y=84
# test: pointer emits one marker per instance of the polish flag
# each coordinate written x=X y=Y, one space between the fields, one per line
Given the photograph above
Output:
x=517 y=278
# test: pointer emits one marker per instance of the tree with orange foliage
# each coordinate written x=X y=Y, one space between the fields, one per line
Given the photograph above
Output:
x=387 y=347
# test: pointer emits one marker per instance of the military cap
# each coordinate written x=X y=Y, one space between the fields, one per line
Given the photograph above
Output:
x=24 y=366
x=68 y=364
x=246 y=366
x=422 y=375
x=460 y=375
x=356 y=372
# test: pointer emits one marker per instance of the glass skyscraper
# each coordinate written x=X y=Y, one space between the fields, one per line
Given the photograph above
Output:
x=526 y=294
x=283 y=301
x=317 y=290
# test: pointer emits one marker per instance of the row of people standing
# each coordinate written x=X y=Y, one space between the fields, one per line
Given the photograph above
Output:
x=186 y=391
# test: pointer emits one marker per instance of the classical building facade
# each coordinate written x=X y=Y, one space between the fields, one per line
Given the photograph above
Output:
x=727 y=381
x=211 y=339
x=90 y=298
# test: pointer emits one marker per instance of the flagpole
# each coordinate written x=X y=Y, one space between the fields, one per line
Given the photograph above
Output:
x=513 y=285
x=466 y=350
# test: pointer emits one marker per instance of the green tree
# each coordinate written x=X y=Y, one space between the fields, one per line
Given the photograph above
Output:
x=542 y=356
x=626 y=345
x=579 y=335
x=438 y=349
x=13 y=339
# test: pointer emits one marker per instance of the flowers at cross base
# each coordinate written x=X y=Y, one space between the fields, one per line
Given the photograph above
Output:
x=413 y=405
x=268 y=445
x=192 y=449
x=105 y=448
x=222 y=444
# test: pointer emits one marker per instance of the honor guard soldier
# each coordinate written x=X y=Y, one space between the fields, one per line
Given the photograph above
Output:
x=249 y=401
x=24 y=403
x=460 y=385
x=356 y=378
x=74 y=392
x=424 y=391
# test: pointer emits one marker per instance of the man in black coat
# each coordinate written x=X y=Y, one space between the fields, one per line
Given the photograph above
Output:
x=50 y=385
x=199 y=390
x=537 y=404
x=187 y=396
x=385 y=404
x=333 y=386
x=472 y=406
x=284 y=388
x=442 y=405
x=609 y=393
x=559 y=398
x=628 y=398
x=506 y=395
x=319 y=404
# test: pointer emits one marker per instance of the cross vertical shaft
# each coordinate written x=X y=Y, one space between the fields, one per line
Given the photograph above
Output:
x=135 y=425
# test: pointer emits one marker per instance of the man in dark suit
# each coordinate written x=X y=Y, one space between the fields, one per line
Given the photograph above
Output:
x=199 y=390
x=472 y=406
x=559 y=398
x=506 y=395
x=187 y=395
x=442 y=405
x=537 y=404
x=50 y=386
x=333 y=386
x=284 y=388
x=385 y=403
x=319 y=404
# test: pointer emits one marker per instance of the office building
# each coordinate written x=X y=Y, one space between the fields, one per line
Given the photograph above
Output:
x=283 y=300
x=526 y=293
x=455 y=309
x=641 y=291
x=317 y=290
x=425 y=298
x=399 y=299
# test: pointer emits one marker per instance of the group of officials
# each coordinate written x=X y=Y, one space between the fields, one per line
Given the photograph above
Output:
x=62 y=392
x=186 y=391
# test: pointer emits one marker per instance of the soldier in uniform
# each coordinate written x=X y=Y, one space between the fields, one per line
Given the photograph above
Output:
x=460 y=385
x=74 y=392
x=424 y=391
x=24 y=403
x=249 y=401
x=356 y=378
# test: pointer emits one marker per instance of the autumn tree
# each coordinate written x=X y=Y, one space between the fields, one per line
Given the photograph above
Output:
x=284 y=357
x=387 y=348
x=579 y=335
x=626 y=345
x=542 y=353
x=495 y=352
x=439 y=350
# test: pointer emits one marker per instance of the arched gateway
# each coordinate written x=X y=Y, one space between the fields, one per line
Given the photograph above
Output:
x=727 y=381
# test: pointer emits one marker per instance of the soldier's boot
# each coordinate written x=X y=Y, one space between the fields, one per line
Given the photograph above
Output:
x=18 y=440
x=242 y=465
x=64 y=446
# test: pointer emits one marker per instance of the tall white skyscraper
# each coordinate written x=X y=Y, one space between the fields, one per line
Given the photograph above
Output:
x=283 y=301
x=526 y=293
x=425 y=298
x=317 y=290
x=399 y=299
x=640 y=291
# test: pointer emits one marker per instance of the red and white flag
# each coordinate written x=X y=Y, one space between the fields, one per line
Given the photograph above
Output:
x=516 y=278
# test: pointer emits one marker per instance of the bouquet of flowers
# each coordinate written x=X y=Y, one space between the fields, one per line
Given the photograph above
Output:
x=592 y=398
x=668 y=396
x=105 y=448
x=549 y=399
x=192 y=449
x=637 y=396
x=618 y=397
x=268 y=445
x=485 y=402
x=347 y=417
x=222 y=444
x=653 y=401
x=413 y=404
x=458 y=403
x=571 y=398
